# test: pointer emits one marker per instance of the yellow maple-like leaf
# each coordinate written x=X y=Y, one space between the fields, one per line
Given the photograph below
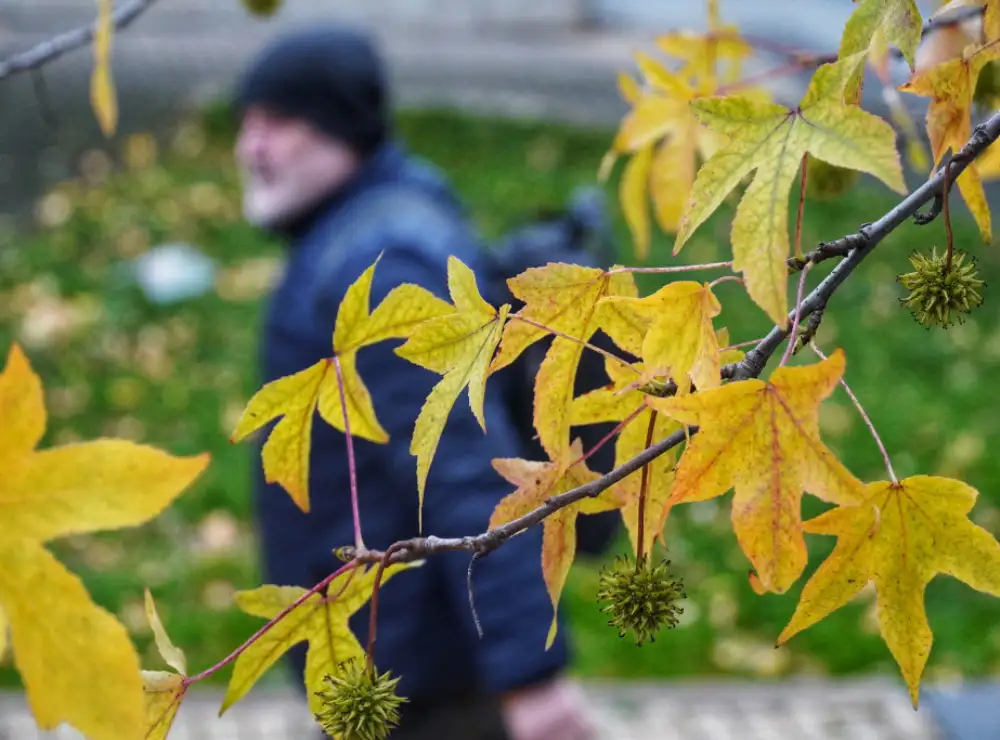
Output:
x=564 y=298
x=950 y=86
x=762 y=438
x=321 y=620
x=163 y=691
x=171 y=654
x=771 y=139
x=459 y=346
x=537 y=481
x=875 y=23
x=297 y=397
x=900 y=537
x=618 y=402
x=55 y=492
x=102 y=87
x=680 y=341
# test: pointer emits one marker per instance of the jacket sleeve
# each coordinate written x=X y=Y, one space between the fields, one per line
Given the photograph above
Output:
x=462 y=490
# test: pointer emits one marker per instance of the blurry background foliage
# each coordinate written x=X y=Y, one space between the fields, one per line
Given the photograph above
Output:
x=178 y=376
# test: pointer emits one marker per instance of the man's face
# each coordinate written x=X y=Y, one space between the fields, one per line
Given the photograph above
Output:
x=286 y=166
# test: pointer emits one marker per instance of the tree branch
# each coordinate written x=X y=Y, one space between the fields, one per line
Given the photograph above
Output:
x=857 y=246
x=53 y=48
x=867 y=238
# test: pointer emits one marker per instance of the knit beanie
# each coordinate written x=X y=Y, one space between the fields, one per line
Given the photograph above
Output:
x=330 y=76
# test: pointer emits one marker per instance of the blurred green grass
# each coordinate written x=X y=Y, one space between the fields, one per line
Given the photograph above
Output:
x=178 y=376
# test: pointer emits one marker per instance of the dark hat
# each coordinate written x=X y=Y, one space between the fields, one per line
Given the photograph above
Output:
x=331 y=76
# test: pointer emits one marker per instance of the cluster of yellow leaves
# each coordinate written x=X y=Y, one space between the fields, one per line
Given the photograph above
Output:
x=75 y=658
x=665 y=139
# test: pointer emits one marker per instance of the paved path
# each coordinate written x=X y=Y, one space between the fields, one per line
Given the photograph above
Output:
x=800 y=710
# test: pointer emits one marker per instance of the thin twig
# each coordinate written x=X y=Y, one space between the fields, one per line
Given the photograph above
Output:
x=588 y=345
x=945 y=193
x=740 y=344
x=472 y=601
x=864 y=415
x=373 y=611
x=53 y=48
x=355 y=507
x=725 y=279
x=674 y=268
x=609 y=436
x=922 y=219
x=281 y=615
x=643 y=489
x=798 y=316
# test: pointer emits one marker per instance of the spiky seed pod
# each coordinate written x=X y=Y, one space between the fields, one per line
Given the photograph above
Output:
x=640 y=597
x=940 y=297
x=262 y=8
x=359 y=704
x=825 y=180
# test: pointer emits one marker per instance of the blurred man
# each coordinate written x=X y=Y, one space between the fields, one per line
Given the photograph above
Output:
x=315 y=142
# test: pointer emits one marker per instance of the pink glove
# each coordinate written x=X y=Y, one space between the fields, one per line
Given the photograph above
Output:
x=556 y=710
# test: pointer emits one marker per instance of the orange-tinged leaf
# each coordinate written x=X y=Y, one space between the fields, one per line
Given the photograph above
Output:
x=537 y=481
x=632 y=194
x=770 y=140
x=900 y=536
x=680 y=341
x=458 y=345
x=320 y=620
x=762 y=438
x=71 y=489
x=76 y=660
x=875 y=22
x=564 y=298
x=171 y=654
x=102 y=87
x=951 y=85
x=163 y=691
